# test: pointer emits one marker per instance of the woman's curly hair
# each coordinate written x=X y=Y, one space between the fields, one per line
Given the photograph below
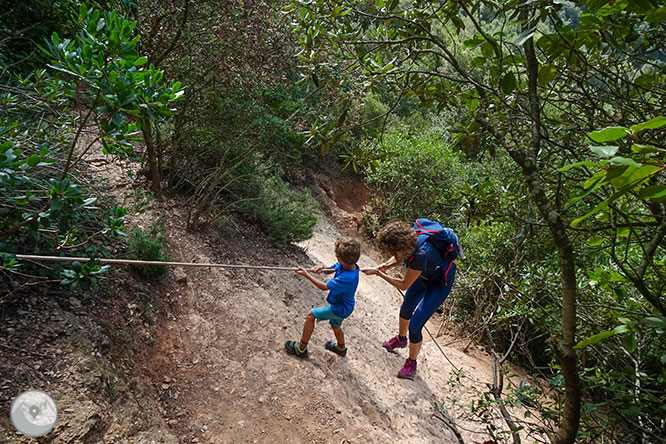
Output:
x=397 y=237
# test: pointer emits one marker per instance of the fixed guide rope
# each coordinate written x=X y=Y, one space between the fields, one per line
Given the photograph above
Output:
x=140 y=262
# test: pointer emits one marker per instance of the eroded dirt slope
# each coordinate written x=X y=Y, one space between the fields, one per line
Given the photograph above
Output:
x=200 y=357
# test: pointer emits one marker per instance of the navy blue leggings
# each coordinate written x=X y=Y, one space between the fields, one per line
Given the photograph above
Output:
x=428 y=298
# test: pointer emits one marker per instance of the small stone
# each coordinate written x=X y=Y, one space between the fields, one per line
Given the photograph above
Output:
x=180 y=275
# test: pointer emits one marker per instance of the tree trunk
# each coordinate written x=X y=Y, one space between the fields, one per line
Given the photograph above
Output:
x=155 y=178
x=566 y=433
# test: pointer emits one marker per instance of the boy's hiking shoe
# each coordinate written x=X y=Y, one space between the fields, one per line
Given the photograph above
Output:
x=394 y=343
x=294 y=348
x=408 y=370
x=335 y=348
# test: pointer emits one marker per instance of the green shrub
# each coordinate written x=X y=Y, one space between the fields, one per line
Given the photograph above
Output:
x=148 y=246
x=372 y=115
x=286 y=215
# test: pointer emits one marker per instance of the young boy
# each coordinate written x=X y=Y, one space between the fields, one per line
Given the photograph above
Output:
x=341 y=297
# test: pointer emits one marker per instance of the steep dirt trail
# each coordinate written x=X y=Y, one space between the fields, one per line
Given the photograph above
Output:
x=208 y=365
x=224 y=377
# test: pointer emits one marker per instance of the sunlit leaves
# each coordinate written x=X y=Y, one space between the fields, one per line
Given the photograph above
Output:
x=629 y=173
x=607 y=134
x=654 y=123
x=103 y=63
x=605 y=151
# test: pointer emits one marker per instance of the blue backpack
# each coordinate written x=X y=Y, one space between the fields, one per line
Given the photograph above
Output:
x=440 y=236
x=443 y=238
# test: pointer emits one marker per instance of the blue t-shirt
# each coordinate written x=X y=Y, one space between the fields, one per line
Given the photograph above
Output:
x=429 y=262
x=342 y=286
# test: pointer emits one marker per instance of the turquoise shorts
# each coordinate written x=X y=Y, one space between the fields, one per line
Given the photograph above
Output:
x=326 y=314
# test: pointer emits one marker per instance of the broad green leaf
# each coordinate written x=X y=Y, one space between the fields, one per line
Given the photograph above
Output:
x=607 y=134
x=643 y=149
x=621 y=329
x=546 y=74
x=33 y=160
x=524 y=36
x=508 y=82
x=594 y=339
x=474 y=41
x=652 y=192
x=594 y=180
x=604 y=150
x=625 y=161
x=632 y=176
x=573 y=165
x=655 y=123
x=655 y=321
x=623 y=232
x=595 y=241
x=602 y=206
x=478 y=61
x=590 y=186
x=629 y=342
x=612 y=7
x=141 y=61
x=646 y=81
x=472 y=104
x=657 y=15
x=641 y=6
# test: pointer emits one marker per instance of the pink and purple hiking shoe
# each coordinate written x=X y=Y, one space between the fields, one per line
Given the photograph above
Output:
x=394 y=343
x=408 y=370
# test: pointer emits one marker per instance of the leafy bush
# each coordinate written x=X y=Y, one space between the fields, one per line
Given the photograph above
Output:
x=148 y=246
x=373 y=115
x=286 y=215
x=47 y=204
x=416 y=177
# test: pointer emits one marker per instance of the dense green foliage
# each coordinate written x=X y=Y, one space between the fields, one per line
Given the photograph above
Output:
x=558 y=107
x=48 y=198
x=148 y=245
x=74 y=76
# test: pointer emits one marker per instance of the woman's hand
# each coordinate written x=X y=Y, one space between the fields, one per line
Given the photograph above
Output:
x=383 y=267
x=371 y=271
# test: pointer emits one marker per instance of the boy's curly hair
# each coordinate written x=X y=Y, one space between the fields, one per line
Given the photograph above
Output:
x=397 y=237
x=348 y=250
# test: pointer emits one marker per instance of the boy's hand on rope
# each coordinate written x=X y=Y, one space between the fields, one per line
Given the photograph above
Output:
x=317 y=269
x=302 y=271
x=371 y=271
